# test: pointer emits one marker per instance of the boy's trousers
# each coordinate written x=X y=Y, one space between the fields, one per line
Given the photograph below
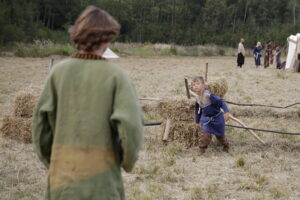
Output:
x=205 y=139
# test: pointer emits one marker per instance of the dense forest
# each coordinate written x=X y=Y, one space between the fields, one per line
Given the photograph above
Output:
x=185 y=22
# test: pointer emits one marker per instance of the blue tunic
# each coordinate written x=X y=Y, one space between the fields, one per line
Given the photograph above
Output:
x=210 y=115
x=257 y=55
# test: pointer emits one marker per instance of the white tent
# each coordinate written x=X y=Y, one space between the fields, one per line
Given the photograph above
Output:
x=110 y=54
x=293 y=51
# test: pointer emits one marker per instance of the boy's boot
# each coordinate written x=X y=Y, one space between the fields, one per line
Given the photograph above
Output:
x=224 y=142
x=205 y=139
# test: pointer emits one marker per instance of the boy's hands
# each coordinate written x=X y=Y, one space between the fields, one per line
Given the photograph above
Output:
x=197 y=127
x=226 y=116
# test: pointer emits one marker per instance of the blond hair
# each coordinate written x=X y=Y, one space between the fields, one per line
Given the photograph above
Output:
x=198 y=78
x=258 y=44
x=93 y=28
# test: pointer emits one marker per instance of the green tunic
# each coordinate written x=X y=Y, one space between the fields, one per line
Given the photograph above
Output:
x=86 y=126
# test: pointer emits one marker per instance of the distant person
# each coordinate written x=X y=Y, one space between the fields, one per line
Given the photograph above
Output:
x=241 y=54
x=278 y=58
x=268 y=54
x=88 y=123
x=257 y=55
x=211 y=112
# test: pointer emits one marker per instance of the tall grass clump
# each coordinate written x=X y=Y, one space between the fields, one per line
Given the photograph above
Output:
x=43 y=48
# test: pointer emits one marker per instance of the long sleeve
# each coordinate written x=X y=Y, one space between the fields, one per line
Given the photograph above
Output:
x=219 y=102
x=43 y=123
x=128 y=121
x=224 y=106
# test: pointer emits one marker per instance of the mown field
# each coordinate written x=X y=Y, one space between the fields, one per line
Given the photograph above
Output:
x=249 y=171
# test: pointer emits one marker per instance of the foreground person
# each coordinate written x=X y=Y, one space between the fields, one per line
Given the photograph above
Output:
x=211 y=112
x=87 y=123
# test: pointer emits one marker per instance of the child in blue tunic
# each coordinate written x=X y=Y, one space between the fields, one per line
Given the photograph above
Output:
x=257 y=55
x=211 y=112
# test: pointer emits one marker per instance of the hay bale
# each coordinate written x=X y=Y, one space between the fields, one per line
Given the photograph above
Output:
x=218 y=87
x=264 y=112
x=17 y=128
x=181 y=113
x=176 y=110
x=24 y=104
x=184 y=132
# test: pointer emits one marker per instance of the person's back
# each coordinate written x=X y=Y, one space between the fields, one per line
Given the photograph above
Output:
x=87 y=125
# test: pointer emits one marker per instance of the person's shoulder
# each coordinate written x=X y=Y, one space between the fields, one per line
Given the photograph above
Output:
x=58 y=67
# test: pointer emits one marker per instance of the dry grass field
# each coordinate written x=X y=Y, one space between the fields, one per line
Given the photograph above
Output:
x=250 y=170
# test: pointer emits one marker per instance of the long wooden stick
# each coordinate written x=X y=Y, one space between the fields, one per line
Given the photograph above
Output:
x=252 y=132
x=167 y=130
x=187 y=88
x=206 y=72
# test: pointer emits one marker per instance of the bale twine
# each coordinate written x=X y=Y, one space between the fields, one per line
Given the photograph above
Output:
x=24 y=104
x=218 y=87
x=17 y=128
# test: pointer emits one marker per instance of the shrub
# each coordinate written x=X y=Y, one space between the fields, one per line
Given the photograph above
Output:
x=43 y=48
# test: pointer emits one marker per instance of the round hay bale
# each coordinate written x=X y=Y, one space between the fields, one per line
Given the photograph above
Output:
x=24 y=104
x=218 y=87
x=17 y=128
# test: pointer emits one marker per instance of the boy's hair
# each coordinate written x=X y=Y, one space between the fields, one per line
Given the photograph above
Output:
x=93 y=28
x=198 y=78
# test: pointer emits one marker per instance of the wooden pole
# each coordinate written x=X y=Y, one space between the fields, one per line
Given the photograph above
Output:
x=252 y=132
x=206 y=72
x=187 y=88
x=167 y=130
x=51 y=61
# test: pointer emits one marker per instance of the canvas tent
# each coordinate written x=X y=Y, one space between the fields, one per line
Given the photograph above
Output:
x=110 y=54
x=293 y=51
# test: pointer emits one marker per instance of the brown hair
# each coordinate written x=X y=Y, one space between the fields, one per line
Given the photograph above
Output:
x=198 y=78
x=92 y=28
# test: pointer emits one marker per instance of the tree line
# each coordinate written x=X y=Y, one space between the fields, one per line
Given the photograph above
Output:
x=183 y=22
